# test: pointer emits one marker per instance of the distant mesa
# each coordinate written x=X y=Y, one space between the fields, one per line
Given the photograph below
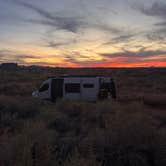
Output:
x=16 y=66
x=9 y=66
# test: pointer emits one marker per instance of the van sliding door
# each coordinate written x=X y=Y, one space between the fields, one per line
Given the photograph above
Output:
x=57 y=88
x=72 y=88
x=89 y=89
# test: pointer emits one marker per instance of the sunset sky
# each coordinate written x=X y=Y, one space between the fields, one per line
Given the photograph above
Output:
x=83 y=33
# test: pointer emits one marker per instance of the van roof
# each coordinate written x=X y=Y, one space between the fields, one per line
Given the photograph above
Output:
x=68 y=76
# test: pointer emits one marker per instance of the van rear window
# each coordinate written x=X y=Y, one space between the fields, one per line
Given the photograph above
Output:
x=72 y=88
x=88 y=85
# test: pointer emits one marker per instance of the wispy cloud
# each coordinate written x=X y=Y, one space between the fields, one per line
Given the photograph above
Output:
x=121 y=39
x=82 y=60
x=67 y=23
x=156 y=36
x=157 y=9
x=105 y=27
x=13 y=56
x=142 y=53
x=64 y=21
x=54 y=44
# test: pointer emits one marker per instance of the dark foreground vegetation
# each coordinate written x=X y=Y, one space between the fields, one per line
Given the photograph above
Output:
x=128 y=132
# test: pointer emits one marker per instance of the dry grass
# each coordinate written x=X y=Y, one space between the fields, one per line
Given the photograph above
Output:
x=130 y=131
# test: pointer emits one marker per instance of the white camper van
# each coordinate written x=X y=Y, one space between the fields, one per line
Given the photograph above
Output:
x=84 y=88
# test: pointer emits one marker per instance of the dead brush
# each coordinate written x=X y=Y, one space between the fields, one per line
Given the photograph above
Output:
x=155 y=100
x=15 y=110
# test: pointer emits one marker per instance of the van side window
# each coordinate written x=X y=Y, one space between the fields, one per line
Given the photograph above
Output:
x=72 y=88
x=88 y=85
x=44 y=88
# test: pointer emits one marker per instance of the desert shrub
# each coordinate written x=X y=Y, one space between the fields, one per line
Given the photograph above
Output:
x=127 y=135
x=131 y=134
x=77 y=160
x=71 y=109
x=155 y=100
x=34 y=138
x=129 y=138
x=106 y=133
x=14 y=110
x=23 y=107
x=61 y=125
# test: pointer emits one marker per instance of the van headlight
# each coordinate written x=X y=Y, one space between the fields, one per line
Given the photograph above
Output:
x=35 y=94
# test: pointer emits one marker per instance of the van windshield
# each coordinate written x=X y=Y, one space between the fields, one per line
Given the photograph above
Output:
x=44 y=87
